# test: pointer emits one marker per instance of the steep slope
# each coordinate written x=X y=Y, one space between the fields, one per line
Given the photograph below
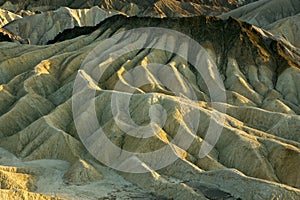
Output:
x=7 y=36
x=288 y=27
x=158 y=8
x=265 y=12
x=224 y=3
x=259 y=135
x=6 y=17
x=41 y=28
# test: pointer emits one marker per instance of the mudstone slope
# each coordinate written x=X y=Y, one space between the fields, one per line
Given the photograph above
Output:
x=42 y=153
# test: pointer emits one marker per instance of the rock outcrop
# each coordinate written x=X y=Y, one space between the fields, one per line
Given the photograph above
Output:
x=6 y=17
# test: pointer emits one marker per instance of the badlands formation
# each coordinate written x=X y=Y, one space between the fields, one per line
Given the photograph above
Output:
x=241 y=86
x=160 y=8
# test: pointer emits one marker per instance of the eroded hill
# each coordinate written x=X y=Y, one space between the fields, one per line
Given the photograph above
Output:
x=258 y=147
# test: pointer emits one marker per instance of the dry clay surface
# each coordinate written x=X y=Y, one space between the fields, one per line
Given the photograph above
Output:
x=264 y=12
x=41 y=28
x=288 y=27
x=256 y=156
x=280 y=17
